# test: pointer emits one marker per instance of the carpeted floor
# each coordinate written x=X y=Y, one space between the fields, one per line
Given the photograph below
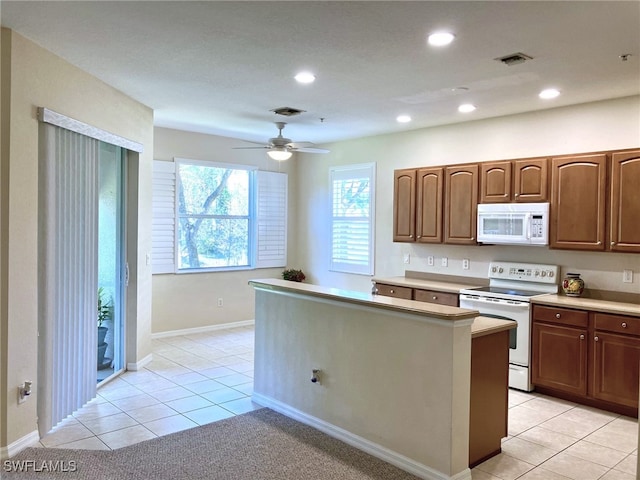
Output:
x=258 y=445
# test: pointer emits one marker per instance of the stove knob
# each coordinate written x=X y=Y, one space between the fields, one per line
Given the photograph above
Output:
x=493 y=269
x=550 y=273
x=543 y=274
x=536 y=273
x=500 y=270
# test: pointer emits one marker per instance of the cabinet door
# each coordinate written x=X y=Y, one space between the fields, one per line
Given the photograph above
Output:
x=625 y=202
x=429 y=205
x=578 y=188
x=404 y=205
x=615 y=368
x=559 y=358
x=530 y=180
x=461 y=202
x=495 y=182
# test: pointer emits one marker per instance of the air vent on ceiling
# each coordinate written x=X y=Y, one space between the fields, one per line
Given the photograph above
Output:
x=287 y=111
x=514 y=59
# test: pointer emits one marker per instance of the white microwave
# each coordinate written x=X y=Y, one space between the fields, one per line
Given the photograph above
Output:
x=513 y=223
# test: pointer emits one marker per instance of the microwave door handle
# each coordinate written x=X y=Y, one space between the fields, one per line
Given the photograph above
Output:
x=528 y=222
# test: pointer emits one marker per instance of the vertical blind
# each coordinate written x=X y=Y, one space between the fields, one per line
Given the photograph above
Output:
x=163 y=255
x=68 y=275
x=271 y=219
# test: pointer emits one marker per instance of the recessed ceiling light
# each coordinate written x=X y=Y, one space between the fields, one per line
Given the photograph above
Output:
x=466 y=108
x=440 y=39
x=403 y=118
x=549 y=93
x=305 y=77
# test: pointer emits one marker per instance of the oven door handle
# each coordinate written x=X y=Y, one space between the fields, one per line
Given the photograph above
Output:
x=509 y=303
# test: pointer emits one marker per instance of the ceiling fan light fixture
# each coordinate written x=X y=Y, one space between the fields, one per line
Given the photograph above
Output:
x=466 y=108
x=403 y=118
x=549 y=93
x=279 y=153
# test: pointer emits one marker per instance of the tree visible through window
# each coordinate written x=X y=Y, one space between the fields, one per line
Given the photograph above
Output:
x=214 y=216
x=352 y=198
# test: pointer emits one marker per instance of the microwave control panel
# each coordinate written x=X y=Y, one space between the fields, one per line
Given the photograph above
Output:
x=537 y=227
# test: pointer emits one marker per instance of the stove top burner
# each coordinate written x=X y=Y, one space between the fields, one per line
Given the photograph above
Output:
x=506 y=291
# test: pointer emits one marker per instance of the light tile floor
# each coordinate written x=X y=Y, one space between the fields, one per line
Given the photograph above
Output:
x=201 y=378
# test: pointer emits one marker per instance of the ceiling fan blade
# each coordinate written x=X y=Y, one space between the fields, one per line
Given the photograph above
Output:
x=311 y=150
x=250 y=148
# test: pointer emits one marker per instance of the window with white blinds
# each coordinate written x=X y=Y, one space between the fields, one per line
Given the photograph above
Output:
x=163 y=252
x=352 y=218
x=201 y=234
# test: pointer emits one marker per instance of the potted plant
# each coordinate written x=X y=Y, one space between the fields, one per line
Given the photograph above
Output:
x=104 y=313
x=293 y=275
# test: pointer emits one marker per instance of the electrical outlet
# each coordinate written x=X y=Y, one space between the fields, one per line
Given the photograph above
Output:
x=407 y=258
x=465 y=264
x=220 y=302
x=627 y=276
x=430 y=260
x=445 y=262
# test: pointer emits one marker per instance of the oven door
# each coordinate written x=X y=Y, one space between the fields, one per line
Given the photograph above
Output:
x=508 y=310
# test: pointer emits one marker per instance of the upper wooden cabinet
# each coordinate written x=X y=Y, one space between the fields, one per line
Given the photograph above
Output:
x=460 y=204
x=404 y=205
x=578 y=202
x=417 y=205
x=429 y=205
x=624 y=211
x=514 y=181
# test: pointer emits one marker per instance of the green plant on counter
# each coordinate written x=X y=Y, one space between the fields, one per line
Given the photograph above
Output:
x=293 y=275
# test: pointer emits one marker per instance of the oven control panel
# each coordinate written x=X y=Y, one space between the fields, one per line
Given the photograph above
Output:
x=524 y=271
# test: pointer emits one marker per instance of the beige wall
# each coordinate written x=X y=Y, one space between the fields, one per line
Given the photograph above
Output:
x=606 y=125
x=39 y=78
x=183 y=301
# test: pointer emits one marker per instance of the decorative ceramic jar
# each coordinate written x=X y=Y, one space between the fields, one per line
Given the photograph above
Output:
x=573 y=285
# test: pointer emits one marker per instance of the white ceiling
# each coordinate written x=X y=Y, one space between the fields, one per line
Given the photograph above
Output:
x=220 y=67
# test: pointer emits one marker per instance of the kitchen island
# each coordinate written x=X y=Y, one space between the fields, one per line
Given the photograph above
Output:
x=393 y=375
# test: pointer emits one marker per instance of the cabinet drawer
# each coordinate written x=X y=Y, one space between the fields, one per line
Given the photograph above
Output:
x=431 y=296
x=562 y=316
x=394 y=291
x=617 y=323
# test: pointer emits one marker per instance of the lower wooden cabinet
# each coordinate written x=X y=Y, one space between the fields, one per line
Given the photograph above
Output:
x=430 y=296
x=592 y=357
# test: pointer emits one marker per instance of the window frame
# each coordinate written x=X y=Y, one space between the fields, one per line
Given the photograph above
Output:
x=251 y=216
x=342 y=170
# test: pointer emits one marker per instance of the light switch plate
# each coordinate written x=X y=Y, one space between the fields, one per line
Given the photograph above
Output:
x=407 y=258
x=445 y=262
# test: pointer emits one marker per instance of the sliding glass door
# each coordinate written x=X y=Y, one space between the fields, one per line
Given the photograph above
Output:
x=111 y=261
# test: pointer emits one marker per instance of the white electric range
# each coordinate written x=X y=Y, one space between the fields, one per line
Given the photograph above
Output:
x=511 y=286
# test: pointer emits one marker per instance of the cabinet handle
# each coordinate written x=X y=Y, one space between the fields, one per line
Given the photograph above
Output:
x=596 y=339
x=624 y=325
x=419 y=236
x=410 y=236
x=517 y=194
x=557 y=315
x=581 y=337
x=392 y=291
x=434 y=298
x=599 y=243
x=473 y=238
x=613 y=243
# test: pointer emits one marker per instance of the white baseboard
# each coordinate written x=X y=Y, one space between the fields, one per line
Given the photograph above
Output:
x=134 y=367
x=383 y=453
x=16 y=447
x=208 y=328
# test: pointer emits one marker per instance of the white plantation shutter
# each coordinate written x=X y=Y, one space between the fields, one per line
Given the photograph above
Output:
x=271 y=219
x=352 y=218
x=164 y=217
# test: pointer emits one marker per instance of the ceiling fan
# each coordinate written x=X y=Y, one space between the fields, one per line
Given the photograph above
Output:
x=281 y=148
